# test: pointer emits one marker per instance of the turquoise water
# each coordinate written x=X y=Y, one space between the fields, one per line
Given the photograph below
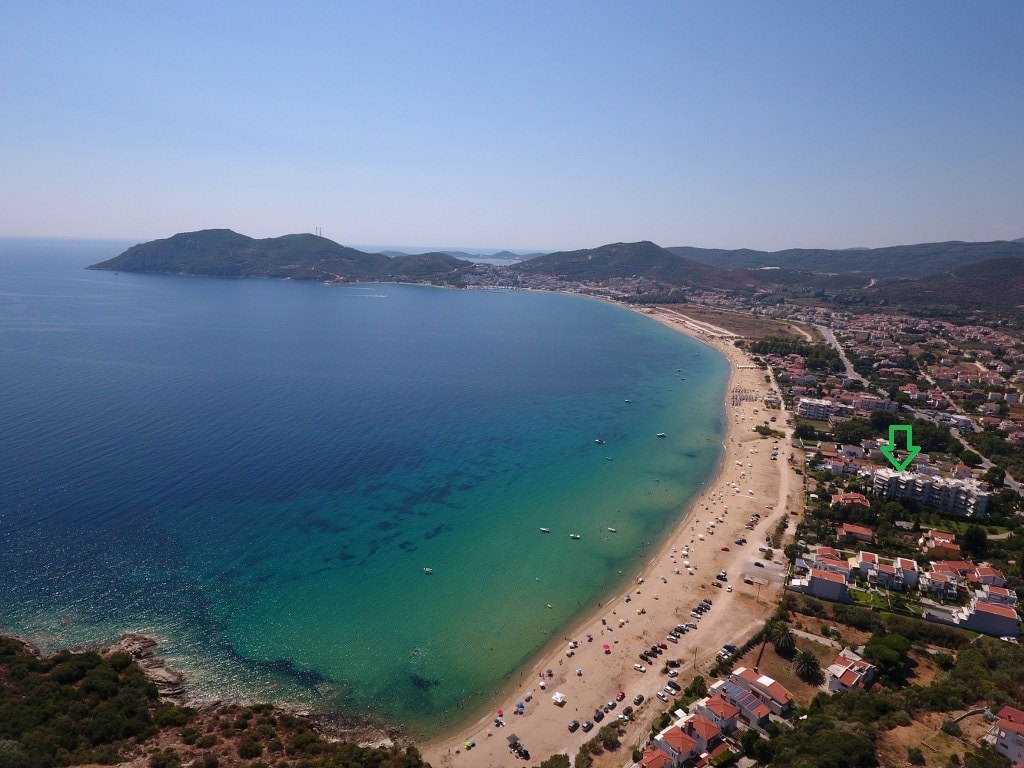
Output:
x=258 y=472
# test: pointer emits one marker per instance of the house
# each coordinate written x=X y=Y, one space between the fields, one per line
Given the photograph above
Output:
x=834 y=564
x=719 y=711
x=827 y=585
x=866 y=563
x=986 y=575
x=998 y=595
x=753 y=711
x=702 y=731
x=771 y=692
x=991 y=619
x=849 y=671
x=848 y=530
x=941 y=586
x=1007 y=735
x=906 y=571
x=885 y=577
x=654 y=758
x=677 y=745
x=939 y=544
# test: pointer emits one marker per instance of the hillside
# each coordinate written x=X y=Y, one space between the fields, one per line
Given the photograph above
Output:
x=892 y=261
x=995 y=286
x=643 y=259
x=223 y=253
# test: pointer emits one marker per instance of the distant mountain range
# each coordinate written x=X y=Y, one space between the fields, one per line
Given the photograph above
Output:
x=938 y=278
x=893 y=261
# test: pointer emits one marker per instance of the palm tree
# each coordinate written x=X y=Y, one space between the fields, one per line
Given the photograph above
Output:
x=807 y=667
x=785 y=643
x=773 y=629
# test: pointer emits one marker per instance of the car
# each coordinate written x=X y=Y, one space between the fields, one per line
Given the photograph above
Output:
x=674 y=686
x=730 y=647
x=729 y=588
x=725 y=549
x=723 y=654
x=677 y=633
x=587 y=726
x=638 y=699
x=747 y=580
x=672 y=663
x=639 y=667
x=662 y=696
x=663 y=646
x=691 y=625
x=723 y=576
x=680 y=628
x=620 y=695
x=716 y=584
x=695 y=615
x=598 y=715
x=758 y=564
x=707 y=600
x=741 y=541
x=643 y=656
x=626 y=711
x=574 y=726
x=610 y=706
x=669 y=691
x=673 y=673
x=672 y=638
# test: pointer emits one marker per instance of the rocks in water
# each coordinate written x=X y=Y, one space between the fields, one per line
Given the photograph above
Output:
x=170 y=683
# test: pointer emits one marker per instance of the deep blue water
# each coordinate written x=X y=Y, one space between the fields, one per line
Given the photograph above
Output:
x=258 y=472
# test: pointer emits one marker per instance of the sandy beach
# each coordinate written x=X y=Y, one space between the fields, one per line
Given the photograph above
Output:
x=671 y=583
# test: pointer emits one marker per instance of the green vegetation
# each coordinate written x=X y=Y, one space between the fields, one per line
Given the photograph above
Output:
x=75 y=708
x=818 y=357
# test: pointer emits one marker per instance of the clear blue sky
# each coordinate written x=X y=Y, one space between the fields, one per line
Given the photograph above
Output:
x=524 y=124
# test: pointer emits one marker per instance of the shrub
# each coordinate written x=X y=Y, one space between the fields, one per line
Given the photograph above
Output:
x=915 y=756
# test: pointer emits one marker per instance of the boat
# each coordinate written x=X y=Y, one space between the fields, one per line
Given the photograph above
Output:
x=545 y=530
x=611 y=530
x=574 y=536
x=428 y=571
x=629 y=401
x=661 y=434
x=599 y=441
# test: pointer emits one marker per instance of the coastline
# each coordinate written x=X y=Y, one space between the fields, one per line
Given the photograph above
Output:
x=661 y=598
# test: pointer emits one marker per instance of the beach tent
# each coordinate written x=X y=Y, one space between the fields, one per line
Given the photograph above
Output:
x=558 y=698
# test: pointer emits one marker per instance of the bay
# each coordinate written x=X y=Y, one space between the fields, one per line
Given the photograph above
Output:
x=258 y=473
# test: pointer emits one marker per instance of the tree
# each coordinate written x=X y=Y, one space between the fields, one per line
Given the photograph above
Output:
x=889 y=654
x=698 y=687
x=807 y=667
x=970 y=458
x=609 y=736
x=556 y=761
x=975 y=541
x=785 y=643
x=995 y=475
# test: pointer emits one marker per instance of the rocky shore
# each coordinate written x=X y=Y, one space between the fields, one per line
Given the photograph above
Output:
x=169 y=682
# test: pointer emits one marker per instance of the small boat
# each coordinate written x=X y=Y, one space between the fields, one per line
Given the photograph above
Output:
x=428 y=571
x=611 y=530
x=661 y=434
x=545 y=530
x=599 y=441
x=574 y=536
x=629 y=401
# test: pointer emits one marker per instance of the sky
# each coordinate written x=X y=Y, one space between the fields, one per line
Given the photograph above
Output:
x=530 y=125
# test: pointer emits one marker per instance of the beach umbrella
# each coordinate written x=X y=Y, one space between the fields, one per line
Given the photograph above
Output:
x=512 y=738
x=606 y=648
x=520 y=705
x=500 y=713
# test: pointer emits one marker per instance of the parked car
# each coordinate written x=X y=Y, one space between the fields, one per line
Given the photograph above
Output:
x=741 y=541
x=716 y=584
x=609 y=706
x=725 y=549
x=673 y=673
x=691 y=625
x=729 y=588
x=672 y=663
x=758 y=564
x=674 y=686
x=639 y=667
x=662 y=696
x=587 y=726
x=574 y=726
x=626 y=711
x=598 y=715
x=620 y=695
x=638 y=699
x=672 y=638
x=663 y=646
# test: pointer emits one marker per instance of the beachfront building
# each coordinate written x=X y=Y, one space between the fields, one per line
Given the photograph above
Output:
x=770 y=691
x=1007 y=735
x=821 y=410
x=849 y=671
x=753 y=711
x=990 y=619
x=949 y=495
x=827 y=585
x=938 y=585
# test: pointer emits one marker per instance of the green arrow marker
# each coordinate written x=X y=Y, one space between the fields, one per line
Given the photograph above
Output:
x=890 y=449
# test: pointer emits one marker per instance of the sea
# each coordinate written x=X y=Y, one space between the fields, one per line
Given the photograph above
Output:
x=332 y=496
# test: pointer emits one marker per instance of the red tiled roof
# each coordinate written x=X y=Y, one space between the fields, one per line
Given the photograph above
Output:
x=999 y=610
x=655 y=758
x=1010 y=713
x=721 y=707
x=820 y=573
x=704 y=728
x=867 y=557
x=679 y=741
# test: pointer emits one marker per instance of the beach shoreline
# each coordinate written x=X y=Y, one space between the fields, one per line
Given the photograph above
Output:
x=662 y=595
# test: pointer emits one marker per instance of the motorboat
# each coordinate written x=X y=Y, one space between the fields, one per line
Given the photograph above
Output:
x=599 y=441
x=661 y=434
x=428 y=571
x=545 y=530
x=574 y=536
x=611 y=530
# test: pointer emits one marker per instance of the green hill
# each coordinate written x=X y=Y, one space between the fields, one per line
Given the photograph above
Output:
x=223 y=253
x=993 y=286
x=893 y=261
